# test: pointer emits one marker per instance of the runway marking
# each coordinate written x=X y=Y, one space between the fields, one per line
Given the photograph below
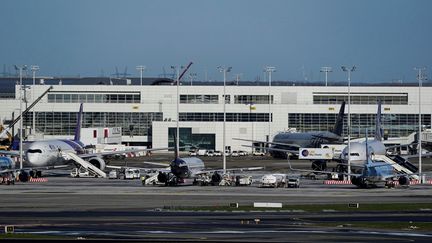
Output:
x=38 y=180
x=332 y=182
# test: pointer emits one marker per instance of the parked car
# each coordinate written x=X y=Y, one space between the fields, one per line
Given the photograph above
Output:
x=258 y=153
x=217 y=153
x=192 y=153
x=209 y=153
x=243 y=153
x=235 y=154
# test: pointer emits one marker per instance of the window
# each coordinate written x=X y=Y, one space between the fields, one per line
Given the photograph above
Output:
x=230 y=117
x=361 y=98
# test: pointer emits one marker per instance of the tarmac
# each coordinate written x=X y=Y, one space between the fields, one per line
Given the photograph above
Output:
x=99 y=208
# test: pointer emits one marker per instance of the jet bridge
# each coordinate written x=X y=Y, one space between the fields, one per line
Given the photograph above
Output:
x=85 y=164
x=399 y=168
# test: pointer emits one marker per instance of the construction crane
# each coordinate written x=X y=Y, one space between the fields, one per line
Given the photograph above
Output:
x=5 y=131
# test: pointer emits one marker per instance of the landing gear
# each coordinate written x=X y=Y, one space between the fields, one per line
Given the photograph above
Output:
x=35 y=173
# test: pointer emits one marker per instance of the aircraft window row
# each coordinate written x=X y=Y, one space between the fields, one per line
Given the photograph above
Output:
x=64 y=123
x=199 y=99
x=394 y=125
x=94 y=98
x=255 y=99
x=361 y=100
x=218 y=117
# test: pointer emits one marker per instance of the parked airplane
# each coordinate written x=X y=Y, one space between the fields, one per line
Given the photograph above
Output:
x=291 y=142
x=191 y=168
x=375 y=146
x=372 y=173
x=61 y=153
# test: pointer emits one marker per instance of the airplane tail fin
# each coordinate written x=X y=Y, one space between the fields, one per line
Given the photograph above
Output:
x=77 y=136
x=378 y=128
x=338 y=127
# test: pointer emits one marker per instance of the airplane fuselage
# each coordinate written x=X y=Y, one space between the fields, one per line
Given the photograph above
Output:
x=186 y=167
x=294 y=141
x=48 y=152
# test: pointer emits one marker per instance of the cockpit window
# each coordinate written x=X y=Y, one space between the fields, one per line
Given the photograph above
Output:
x=355 y=154
x=34 y=151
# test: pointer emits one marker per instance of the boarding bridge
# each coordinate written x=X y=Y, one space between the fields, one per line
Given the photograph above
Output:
x=398 y=167
x=85 y=164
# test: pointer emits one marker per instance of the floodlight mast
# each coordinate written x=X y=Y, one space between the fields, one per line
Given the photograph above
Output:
x=141 y=69
x=34 y=68
x=420 y=78
x=269 y=71
x=224 y=70
x=21 y=69
x=349 y=70
x=326 y=70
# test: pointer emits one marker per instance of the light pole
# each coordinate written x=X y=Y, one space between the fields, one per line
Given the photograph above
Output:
x=326 y=70
x=349 y=70
x=224 y=70
x=21 y=68
x=34 y=68
x=177 y=70
x=269 y=70
x=141 y=68
x=420 y=77
x=192 y=77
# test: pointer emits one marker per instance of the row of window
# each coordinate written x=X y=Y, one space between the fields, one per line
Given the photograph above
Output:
x=199 y=99
x=397 y=99
x=214 y=99
x=93 y=98
x=218 y=117
x=394 y=125
x=253 y=99
x=64 y=123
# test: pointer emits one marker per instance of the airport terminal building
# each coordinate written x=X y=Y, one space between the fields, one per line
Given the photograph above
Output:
x=147 y=114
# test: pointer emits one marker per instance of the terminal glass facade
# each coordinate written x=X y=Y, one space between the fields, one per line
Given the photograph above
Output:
x=361 y=98
x=394 y=125
x=199 y=99
x=218 y=117
x=64 y=123
x=94 y=97
x=252 y=99
x=189 y=140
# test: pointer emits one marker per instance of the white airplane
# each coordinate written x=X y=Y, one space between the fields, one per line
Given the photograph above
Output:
x=375 y=146
x=59 y=153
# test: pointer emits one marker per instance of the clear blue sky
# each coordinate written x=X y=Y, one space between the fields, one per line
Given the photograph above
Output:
x=385 y=39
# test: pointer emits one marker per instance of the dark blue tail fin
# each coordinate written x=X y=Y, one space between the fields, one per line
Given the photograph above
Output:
x=338 y=126
x=77 y=136
x=378 y=128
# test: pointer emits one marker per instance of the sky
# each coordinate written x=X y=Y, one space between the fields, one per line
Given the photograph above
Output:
x=384 y=39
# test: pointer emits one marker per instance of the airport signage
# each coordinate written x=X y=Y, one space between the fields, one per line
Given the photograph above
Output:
x=267 y=205
x=315 y=153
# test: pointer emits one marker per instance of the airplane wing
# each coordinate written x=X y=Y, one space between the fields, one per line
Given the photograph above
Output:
x=230 y=170
x=120 y=152
x=272 y=143
x=322 y=172
x=11 y=153
x=275 y=149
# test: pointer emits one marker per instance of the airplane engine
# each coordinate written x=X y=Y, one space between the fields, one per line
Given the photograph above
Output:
x=98 y=162
x=216 y=178
x=404 y=181
x=23 y=176
x=355 y=180
x=162 y=177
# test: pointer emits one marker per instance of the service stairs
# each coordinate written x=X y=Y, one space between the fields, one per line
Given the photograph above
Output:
x=85 y=164
x=399 y=168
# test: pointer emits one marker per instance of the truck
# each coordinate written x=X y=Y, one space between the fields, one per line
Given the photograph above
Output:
x=274 y=180
x=293 y=182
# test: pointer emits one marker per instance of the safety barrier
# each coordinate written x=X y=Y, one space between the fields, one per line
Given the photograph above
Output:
x=334 y=182
x=38 y=180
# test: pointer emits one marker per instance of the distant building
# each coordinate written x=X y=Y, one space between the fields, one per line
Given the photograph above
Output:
x=147 y=114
